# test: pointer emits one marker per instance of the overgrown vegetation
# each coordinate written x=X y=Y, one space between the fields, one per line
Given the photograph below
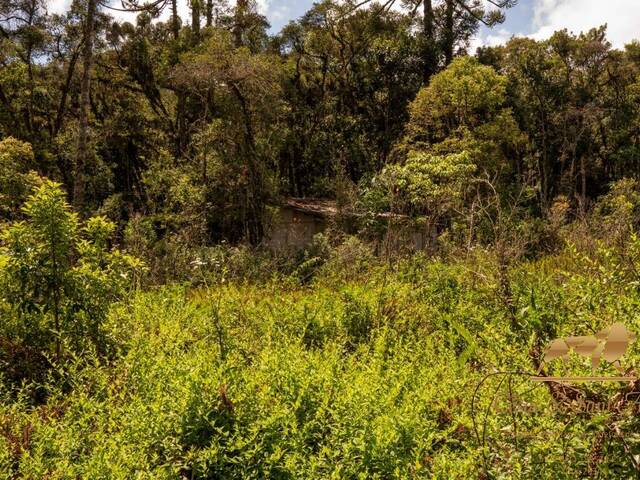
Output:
x=148 y=330
x=58 y=280
x=365 y=369
x=186 y=136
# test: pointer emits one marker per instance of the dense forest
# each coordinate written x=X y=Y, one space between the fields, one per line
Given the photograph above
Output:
x=148 y=329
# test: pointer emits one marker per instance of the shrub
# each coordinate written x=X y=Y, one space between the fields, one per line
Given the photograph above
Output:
x=618 y=212
x=59 y=276
x=16 y=158
x=357 y=319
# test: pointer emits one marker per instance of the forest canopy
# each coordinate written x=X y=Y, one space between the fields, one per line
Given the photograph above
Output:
x=192 y=129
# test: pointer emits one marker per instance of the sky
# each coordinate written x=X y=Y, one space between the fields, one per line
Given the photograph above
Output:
x=534 y=18
x=540 y=18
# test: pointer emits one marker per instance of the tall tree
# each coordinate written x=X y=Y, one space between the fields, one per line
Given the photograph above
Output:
x=351 y=81
x=23 y=25
x=249 y=27
x=461 y=19
x=446 y=23
x=448 y=34
x=429 y=54
x=82 y=157
x=242 y=8
x=248 y=98
x=565 y=90
x=175 y=20
x=195 y=20
x=83 y=154
x=209 y=13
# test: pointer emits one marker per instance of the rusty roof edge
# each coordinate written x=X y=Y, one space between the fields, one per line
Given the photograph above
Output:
x=329 y=208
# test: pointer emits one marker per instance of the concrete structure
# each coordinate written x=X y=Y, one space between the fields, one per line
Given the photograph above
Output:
x=297 y=221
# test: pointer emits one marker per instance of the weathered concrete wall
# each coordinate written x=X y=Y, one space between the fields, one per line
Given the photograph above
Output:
x=293 y=230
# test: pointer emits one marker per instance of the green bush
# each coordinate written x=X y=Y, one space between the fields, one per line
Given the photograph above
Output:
x=58 y=277
x=16 y=159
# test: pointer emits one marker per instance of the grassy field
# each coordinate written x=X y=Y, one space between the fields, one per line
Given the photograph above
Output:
x=369 y=371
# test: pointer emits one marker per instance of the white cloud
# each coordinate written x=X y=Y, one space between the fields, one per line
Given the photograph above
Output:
x=279 y=14
x=263 y=5
x=58 y=6
x=548 y=16
x=621 y=16
x=491 y=38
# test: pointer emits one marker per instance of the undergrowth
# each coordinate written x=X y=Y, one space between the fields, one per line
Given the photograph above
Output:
x=370 y=374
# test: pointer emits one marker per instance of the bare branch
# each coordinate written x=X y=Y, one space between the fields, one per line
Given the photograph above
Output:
x=503 y=3
x=157 y=5
x=386 y=6
x=472 y=13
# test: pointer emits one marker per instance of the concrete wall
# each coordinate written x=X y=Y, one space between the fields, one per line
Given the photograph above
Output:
x=292 y=229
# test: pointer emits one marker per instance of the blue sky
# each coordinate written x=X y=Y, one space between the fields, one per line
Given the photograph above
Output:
x=536 y=18
x=281 y=11
x=540 y=18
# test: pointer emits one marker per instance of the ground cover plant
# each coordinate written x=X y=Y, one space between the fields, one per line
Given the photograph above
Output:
x=356 y=375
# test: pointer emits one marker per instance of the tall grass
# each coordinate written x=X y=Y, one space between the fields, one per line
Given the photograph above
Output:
x=358 y=375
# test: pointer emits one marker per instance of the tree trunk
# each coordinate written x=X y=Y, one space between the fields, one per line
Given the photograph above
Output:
x=448 y=34
x=429 y=55
x=583 y=179
x=238 y=29
x=209 y=13
x=179 y=129
x=83 y=129
x=254 y=217
x=175 y=25
x=195 y=20
x=65 y=89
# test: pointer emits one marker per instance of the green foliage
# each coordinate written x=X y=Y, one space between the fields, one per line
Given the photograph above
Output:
x=427 y=184
x=59 y=277
x=455 y=159
x=619 y=209
x=202 y=130
x=368 y=377
x=16 y=159
x=463 y=109
x=336 y=361
x=463 y=95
